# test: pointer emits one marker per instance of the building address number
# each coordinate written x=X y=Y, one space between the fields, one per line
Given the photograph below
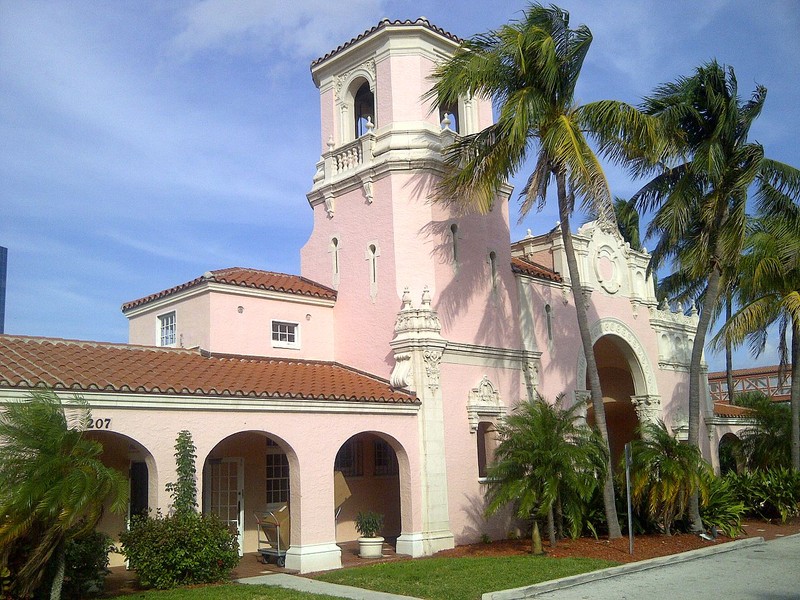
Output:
x=99 y=423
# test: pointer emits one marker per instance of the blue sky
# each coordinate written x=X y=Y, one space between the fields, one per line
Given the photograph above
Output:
x=144 y=142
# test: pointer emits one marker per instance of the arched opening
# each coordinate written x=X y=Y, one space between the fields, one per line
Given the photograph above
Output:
x=493 y=268
x=129 y=457
x=335 y=259
x=729 y=456
x=617 y=383
x=454 y=242
x=487 y=444
x=245 y=476
x=364 y=109
x=369 y=466
x=450 y=117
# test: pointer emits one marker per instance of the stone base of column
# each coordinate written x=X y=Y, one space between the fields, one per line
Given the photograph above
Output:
x=424 y=544
x=314 y=557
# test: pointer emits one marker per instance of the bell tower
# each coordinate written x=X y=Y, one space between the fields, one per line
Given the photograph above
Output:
x=376 y=230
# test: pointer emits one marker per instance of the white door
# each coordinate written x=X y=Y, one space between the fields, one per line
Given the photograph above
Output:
x=226 y=500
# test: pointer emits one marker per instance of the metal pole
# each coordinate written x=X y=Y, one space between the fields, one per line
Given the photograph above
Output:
x=628 y=488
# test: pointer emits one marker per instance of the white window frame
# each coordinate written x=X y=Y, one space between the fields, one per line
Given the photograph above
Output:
x=161 y=325
x=283 y=343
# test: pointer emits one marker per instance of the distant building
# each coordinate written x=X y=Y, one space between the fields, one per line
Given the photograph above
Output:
x=3 y=262
x=767 y=380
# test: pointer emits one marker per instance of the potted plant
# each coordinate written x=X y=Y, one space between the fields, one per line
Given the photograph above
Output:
x=369 y=525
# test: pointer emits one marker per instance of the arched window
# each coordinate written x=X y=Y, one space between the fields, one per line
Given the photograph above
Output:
x=373 y=264
x=487 y=443
x=364 y=109
x=454 y=241
x=449 y=117
x=549 y=317
x=493 y=266
x=335 y=259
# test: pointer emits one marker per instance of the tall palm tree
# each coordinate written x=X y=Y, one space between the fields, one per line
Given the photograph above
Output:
x=530 y=68
x=546 y=453
x=700 y=202
x=665 y=473
x=770 y=293
x=52 y=487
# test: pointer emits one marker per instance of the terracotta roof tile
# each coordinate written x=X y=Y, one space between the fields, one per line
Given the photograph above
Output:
x=27 y=362
x=723 y=409
x=252 y=278
x=382 y=25
x=532 y=269
x=770 y=370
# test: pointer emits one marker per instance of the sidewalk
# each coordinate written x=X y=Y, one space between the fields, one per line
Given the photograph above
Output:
x=303 y=584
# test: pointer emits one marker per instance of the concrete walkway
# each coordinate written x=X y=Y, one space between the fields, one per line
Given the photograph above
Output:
x=303 y=584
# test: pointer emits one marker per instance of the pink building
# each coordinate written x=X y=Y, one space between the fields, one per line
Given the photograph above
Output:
x=412 y=330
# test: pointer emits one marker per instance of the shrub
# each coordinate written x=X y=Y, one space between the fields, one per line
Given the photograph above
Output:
x=722 y=509
x=184 y=491
x=179 y=550
x=770 y=494
x=86 y=565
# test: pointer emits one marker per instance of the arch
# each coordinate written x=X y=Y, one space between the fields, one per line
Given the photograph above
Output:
x=131 y=457
x=729 y=458
x=244 y=474
x=377 y=472
x=355 y=93
x=644 y=379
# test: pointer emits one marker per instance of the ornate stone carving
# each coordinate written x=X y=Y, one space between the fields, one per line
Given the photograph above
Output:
x=432 y=359
x=368 y=192
x=648 y=408
x=329 y=205
x=483 y=402
x=367 y=68
x=402 y=374
x=531 y=372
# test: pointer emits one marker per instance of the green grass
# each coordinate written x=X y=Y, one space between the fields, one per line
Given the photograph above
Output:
x=231 y=591
x=461 y=578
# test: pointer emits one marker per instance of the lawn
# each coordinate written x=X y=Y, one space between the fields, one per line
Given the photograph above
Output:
x=460 y=578
x=231 y=591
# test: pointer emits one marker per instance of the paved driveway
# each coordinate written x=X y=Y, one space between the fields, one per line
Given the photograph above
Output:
x=768 y=571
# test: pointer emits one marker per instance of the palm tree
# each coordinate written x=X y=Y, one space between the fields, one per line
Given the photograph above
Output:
x=52 y=487
x=770 y=293
x=530 y=69
x=767 y=443
x=665 y=473
x=546 y=453
x=700 y=203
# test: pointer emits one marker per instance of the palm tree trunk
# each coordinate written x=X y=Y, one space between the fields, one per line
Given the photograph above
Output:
x=728 y=351
x=551 y=527
x=58 y=579
x=709 y=300
x=795 y=396
x=588 y=351
x=536 y=538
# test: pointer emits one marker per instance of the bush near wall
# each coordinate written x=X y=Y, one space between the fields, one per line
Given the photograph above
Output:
x=768 y=494
x=178 y=550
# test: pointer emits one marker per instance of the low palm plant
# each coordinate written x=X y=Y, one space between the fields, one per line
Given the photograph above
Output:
x=665 y=473
x=546 y=454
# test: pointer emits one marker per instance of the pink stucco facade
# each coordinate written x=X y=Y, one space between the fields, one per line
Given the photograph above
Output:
x=425 y=298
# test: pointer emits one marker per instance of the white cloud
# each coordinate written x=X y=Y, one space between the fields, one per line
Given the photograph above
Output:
x=304 y=28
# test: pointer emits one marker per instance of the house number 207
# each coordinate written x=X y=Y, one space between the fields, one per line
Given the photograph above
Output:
x=99 y=423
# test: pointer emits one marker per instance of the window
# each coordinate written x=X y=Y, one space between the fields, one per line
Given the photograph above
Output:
x=277 y=474
x=385 y=458
x=364 y=110
x=167 y=329
x=549 y=318
x=285 y=335
x=487 y=442
x=372 y=254
x=335 y=258
x=350 y=459
x=493 y=266
x=449 y=117
x=454 y=241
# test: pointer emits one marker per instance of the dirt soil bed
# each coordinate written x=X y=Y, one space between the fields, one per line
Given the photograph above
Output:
x=644 y=546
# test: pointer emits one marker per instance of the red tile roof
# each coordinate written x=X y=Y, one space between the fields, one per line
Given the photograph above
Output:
x=723 y=409
x=532 y=269
x=82 y=366
x=252 y=278
x=382 y=25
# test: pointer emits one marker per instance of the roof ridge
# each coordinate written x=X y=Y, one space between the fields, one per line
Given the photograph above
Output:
x=382 y=24
x=95 y=344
